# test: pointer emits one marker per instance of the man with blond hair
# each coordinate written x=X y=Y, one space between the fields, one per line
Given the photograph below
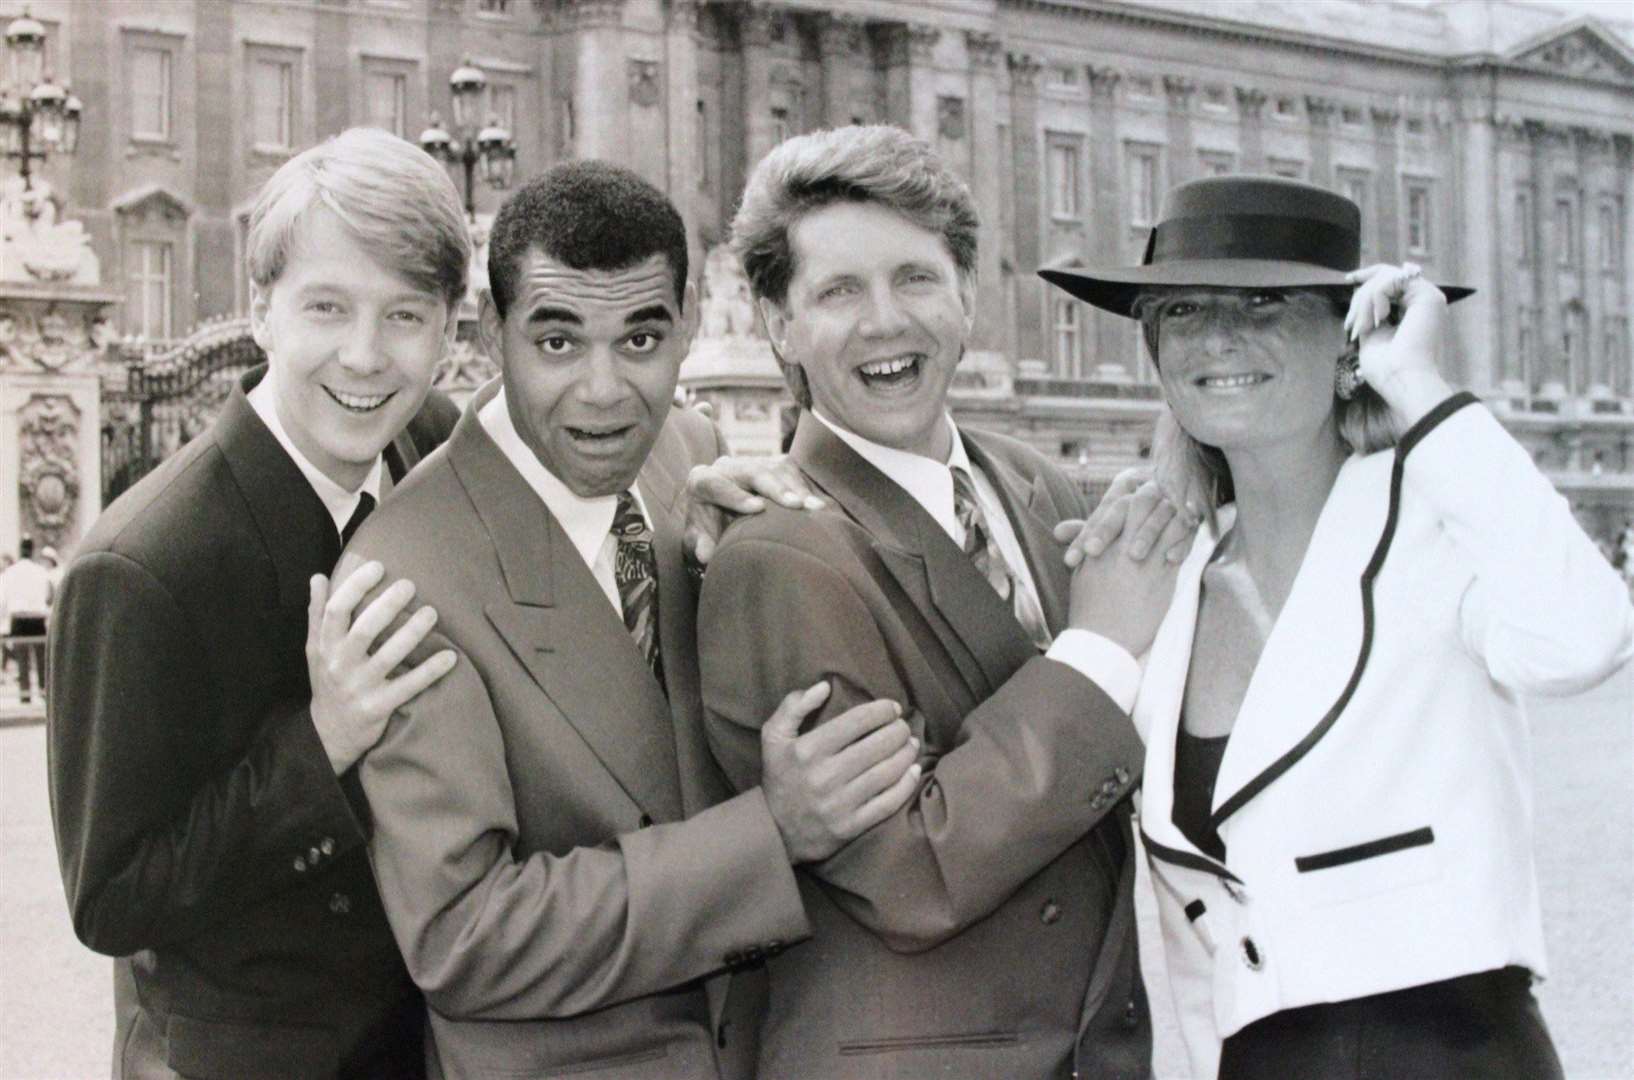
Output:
x=210 y=694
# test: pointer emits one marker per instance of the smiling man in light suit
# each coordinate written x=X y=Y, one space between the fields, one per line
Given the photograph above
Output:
x=568 y=879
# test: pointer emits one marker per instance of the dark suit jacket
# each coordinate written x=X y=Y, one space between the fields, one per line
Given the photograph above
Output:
x=985 y=930
x=551 y=839
x=201 y=831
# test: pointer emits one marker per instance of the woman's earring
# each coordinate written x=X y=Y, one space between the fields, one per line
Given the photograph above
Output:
x=1347 y=377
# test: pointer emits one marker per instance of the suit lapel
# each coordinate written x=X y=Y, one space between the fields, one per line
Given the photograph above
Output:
x=935 y=573
x=558 y=623
x=295 y=526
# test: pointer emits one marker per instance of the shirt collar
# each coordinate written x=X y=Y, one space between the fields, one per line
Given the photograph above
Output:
x=337 y=500
x=929 y=482
x=587 y=522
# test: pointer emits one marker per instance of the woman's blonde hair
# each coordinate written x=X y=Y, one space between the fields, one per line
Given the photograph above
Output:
x=1364 y=421
x=393 y=197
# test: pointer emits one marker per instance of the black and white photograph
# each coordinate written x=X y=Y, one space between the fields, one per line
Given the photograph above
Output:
x=816 y=540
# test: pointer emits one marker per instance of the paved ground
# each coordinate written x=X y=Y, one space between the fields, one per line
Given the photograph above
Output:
x=55 y=995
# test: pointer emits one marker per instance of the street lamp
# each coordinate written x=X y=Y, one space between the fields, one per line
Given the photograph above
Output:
x=491 y=145
x=37 y=116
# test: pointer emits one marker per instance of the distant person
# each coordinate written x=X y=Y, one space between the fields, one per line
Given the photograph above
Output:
x=1337 y=800
x=25 y=604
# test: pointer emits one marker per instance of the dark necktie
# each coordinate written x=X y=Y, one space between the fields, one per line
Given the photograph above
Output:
x=635 y=570
x=983 y=551
x=365 y=504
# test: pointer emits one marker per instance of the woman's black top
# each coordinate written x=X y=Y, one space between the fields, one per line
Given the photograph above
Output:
x=1196 y=768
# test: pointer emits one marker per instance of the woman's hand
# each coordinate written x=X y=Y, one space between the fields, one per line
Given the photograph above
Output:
x=1399 y=357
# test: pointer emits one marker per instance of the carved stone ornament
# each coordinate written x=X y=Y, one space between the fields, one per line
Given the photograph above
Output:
x=727 y=309
x=1180 y=91
x=1024 y=69
x=48 y=429
x=644 y=90
x=982 y=47
x=1581 y=55
x=51 y=337
x=1103 y=82
x=34 y=245
x=950 y=118
x=1251 y=100
x=1320 y=110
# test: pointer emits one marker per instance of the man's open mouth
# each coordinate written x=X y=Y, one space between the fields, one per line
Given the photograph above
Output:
x=592 y=438
x=893 y=371
x=1231 y=382
x=359 y=403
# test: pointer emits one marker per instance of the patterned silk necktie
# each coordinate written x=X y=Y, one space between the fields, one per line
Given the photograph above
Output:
x=983 y=551
x=365 y=505
x=635 y=569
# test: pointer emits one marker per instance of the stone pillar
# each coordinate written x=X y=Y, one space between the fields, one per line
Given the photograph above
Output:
x=601 y=98
x=1387 y=180
x=1321 y=110
x=332 y=70
x=681 y=107
x=1182 y=149
x=910 y=80
x=1029 y=225
x=1623 y=288
x=839 y=40
x=1512 y=371
x=1480 y=209
x=1251 y=123
x=1593 y=165
x=759 y=28
x=982 y=48
x=1106 y=239
x=1551 y=377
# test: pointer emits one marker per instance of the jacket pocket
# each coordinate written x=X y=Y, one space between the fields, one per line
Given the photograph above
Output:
x=1376 y=866
x=246 y=1050
x=622 y=1062
x=975 y=1041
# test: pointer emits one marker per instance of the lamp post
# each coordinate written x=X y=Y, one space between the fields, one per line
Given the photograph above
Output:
x=470 y=143
x=37 y=116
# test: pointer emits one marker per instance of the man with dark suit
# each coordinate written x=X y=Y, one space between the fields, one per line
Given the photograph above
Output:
x=208 y=697
x=986 y=929
x=569 y=882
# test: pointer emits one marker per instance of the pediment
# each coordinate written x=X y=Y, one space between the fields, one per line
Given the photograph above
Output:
x=1582 y=49
x=154 y=202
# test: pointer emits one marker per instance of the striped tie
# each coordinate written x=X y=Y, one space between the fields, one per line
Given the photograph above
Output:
x=635 y=569
x=983 y=551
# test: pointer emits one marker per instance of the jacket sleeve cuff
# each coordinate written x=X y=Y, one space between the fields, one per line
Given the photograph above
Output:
x=1102 y=661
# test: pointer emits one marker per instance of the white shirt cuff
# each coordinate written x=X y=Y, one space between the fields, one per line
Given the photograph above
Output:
x=1102 y=661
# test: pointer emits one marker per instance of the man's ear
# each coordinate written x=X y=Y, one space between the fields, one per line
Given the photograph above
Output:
x=776 y=321
x=260 y=307
x=690 y=315
x=490 y=327
x=967 y=300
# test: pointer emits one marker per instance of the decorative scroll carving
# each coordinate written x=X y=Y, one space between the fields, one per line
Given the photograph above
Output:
x=48 y=430
x=1103 y=82
x=1385 y=119
x=52 y=337
x=1320 y=110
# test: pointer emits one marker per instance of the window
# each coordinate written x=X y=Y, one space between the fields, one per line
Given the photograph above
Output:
x=150 y=94
x=1143 y=186
x=1216 y=162
x=1611 y=236
x=1357 y=186
x=1523 y=226
x=1565 y=233
x=780 y=125
x=1351 y=116
x=1288 y=167
x=1062 y=167
x=272 y=101
x=1067 y=336
x=1142 y=86
x=502 y=106
x=386 y=103
x=494 y=7
x=148 y=297
x=1063 y=77
x=1415 y=125
x=1418 y=218
x=1287 y=109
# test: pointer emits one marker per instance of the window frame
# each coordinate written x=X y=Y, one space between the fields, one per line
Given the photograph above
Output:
x=1068 y=147
x=139 y=277
x=1414 y=188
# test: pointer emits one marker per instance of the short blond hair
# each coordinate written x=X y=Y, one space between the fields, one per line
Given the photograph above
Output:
x=394 y=198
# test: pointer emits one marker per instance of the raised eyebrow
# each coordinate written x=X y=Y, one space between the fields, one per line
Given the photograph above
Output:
x=650 y=313
x=548 y=314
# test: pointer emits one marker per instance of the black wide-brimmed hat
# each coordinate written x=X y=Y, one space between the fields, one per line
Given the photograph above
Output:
x=1237 y=232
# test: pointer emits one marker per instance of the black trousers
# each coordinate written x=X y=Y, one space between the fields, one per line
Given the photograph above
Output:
x=28 y=646
x=1483 y=1026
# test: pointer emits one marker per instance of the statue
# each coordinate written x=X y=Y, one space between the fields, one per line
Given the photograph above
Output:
x=727 y=308
x=34 y=245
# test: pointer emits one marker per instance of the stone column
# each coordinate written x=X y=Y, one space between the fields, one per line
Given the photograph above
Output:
x=601 y=99
x=1387 y=183
x=1623 y=290
x=1106 y=239
x=1479 y=331
x=1251 y=125
x=1029 y=224
x=1551 y=377
x=681 y=120
x=1593 y=158
x=1321 y=110
x=1512 y=371
x=1182 y=149
x=839 y=40
x=910 y=80
x=982 y=49
x=759 y=28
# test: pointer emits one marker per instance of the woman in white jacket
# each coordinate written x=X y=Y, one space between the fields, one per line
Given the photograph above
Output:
x=1337 y=794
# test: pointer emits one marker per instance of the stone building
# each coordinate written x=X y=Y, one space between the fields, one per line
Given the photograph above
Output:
x=1491 y=142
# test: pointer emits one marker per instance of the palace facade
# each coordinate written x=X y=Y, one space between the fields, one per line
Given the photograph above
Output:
x=1491 y=142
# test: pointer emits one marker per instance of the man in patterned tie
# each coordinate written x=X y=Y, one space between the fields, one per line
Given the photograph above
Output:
x=985 y=929
x=564 y=868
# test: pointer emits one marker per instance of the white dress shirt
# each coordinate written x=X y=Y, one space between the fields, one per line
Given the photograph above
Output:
x=25 y=592
x=337 y=500
x=930 y=483
x=588 y=523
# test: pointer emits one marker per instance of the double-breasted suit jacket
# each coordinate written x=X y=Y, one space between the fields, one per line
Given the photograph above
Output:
x=551 y=839
x=1375 y=794
x=202 y=833
x=984 y=930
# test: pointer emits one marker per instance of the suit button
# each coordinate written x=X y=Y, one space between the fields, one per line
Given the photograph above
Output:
x=1049 y=913
x=1097 y=802
x=644 y=822
x=1122 y=775
x=340 y=904
x=1252 y=955
x=300 y=864
x=1131 y=1015
x=327 y=845
x=312 y=856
